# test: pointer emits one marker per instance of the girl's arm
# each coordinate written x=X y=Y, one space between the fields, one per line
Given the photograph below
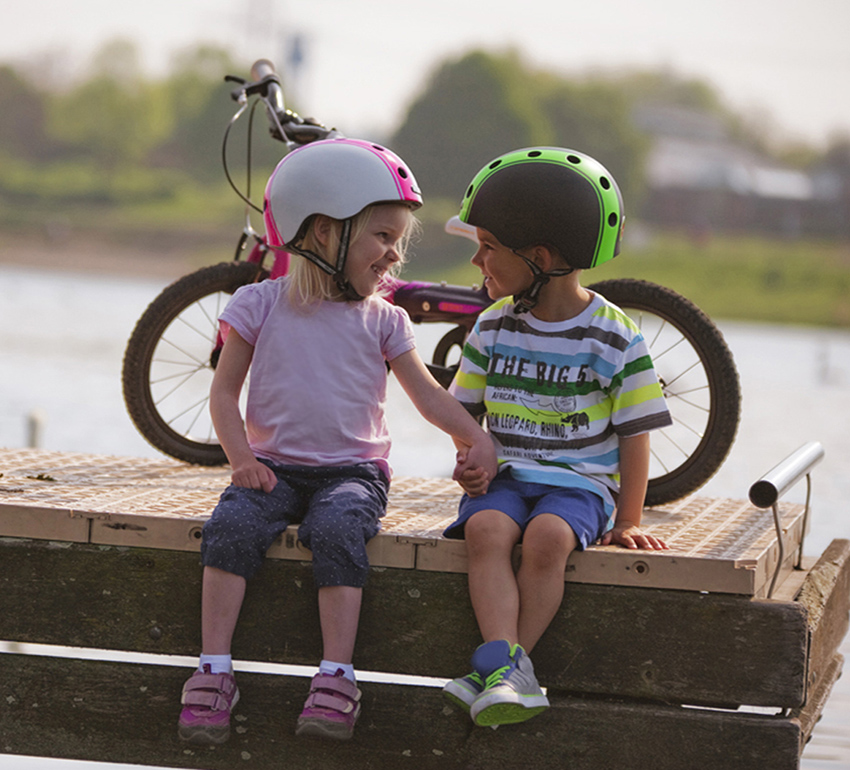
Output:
x=634 y=472
x=230 y=374
x=476 y=451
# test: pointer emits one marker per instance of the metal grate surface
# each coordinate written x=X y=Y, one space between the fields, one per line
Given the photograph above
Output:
x=715 y=544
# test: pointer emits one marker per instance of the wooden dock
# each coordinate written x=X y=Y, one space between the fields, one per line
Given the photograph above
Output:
x=673 y=659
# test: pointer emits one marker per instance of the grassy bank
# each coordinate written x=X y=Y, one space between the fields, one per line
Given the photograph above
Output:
x=802 y=281
x=731 y=277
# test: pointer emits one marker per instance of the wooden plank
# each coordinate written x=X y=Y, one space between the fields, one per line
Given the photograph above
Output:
x=669 y=646
x=716 y=544
x=826 y=596
x=116 y=712
x=32 y=521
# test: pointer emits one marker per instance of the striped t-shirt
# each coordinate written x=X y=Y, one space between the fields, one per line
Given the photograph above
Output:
x=559 y=395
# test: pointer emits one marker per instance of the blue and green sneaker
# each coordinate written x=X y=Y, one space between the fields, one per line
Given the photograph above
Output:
x=464 y=690
x=511 y=693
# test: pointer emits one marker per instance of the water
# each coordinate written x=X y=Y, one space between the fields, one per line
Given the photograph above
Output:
x=64 y=336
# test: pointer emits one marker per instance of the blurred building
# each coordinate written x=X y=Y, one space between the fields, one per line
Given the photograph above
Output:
x=699 y=178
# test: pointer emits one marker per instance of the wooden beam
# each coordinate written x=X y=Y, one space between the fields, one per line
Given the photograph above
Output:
x=118 y=712
x=668 y=646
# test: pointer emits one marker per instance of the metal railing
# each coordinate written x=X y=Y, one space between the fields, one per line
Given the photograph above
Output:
x=767 y=491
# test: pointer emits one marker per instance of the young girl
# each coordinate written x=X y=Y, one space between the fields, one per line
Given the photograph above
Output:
x=314 y=445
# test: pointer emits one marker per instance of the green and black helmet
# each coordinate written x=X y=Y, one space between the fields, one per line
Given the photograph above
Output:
x=548 y=195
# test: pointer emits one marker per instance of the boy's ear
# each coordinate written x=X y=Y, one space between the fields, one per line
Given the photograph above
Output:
x=544 y=257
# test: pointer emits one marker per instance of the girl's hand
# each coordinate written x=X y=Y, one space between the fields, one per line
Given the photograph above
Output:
x=254 y=475
x=631 y=536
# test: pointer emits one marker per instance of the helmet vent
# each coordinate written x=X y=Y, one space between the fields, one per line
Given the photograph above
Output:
x=378 y=148
x=402 y=172
x=535 y=154
x=495 y=163
x=603 y=181
x=574 y=159
x=612 y=219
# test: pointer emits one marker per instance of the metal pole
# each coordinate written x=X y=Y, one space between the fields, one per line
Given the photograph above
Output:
x=765 y=493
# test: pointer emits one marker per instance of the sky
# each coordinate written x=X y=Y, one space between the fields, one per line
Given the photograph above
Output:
x=785 y=62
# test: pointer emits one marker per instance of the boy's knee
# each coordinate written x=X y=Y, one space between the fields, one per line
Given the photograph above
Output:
x=488 y=530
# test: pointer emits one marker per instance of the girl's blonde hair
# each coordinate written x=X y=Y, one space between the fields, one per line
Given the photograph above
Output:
x=309 y=284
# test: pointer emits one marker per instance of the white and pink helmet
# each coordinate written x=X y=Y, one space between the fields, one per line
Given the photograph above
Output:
x=337 y=178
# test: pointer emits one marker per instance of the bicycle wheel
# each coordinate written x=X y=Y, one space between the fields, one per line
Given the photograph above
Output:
x=170 y=359
x=447 y=351
x=699 y=380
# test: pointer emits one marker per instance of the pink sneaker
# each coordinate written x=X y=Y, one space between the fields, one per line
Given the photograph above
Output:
x=331 y=709
x=207 y=702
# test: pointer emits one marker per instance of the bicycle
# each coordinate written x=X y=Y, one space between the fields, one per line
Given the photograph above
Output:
x=174 y=347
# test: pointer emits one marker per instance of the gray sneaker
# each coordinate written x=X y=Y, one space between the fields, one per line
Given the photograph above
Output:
x=511 y=693
x=464 y=690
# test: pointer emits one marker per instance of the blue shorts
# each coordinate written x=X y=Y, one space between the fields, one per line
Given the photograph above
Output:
x=338 y=510
x=583 y=510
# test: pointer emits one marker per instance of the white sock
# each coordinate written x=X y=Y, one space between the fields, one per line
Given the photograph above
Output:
x=330 y=668
x=219 y=664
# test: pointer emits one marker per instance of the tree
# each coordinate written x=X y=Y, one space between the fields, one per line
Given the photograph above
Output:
x=473 y=109
x=22 y=132
x=483 y=105
x=594 y=117
x=116 y=117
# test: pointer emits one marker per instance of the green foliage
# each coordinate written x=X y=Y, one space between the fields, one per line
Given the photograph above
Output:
x=594 y=117
x=483 y=105
x=733 y=278
x=473 y=109
x=22 y=108
x=114 y=118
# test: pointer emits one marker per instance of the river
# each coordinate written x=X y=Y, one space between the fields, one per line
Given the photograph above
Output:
x=60 y=361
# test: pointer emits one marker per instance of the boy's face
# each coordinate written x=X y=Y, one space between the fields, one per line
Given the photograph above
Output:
x=504 y=272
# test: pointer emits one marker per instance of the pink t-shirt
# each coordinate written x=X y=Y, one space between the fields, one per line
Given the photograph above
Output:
x=318 y=379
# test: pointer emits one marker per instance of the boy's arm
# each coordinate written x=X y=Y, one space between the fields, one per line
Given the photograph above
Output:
x=634 y=472
x=227 y=383
x=475 y=447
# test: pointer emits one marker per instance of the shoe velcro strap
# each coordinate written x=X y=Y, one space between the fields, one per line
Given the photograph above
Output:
x=335 y=684
x=326 y=700
x=222 y=683
x=212 y=700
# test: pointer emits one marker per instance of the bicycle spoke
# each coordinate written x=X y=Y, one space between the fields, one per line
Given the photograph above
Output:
x=181 y=350
x=683 y=373
x=193 y=371
x=180 y=384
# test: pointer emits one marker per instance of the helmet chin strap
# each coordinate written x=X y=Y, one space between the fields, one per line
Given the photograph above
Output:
x=338 y=272
x=528 y=298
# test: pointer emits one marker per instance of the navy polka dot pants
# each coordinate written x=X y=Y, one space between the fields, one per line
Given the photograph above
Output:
x=338 y=511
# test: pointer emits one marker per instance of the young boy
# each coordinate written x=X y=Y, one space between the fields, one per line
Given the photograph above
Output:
x=569 y=391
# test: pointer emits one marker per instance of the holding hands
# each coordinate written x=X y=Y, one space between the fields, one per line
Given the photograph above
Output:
x=475 y=467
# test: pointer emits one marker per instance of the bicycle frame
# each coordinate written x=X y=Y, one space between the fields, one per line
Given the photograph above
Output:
x=174 y=348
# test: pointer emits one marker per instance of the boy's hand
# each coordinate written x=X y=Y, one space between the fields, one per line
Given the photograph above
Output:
x=631 y=536
x=254 y=475
x=476 y=467
x=473 y=481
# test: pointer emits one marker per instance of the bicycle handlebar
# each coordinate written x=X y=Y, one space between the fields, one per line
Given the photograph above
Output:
x=284 y=124
x=263 y=70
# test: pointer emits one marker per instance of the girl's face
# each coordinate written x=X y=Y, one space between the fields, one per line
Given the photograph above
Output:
x=376 y=250
x=504 y=272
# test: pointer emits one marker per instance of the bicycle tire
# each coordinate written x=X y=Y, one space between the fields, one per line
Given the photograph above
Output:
x=443 y=371
x=169 y=362
x=697 y=450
